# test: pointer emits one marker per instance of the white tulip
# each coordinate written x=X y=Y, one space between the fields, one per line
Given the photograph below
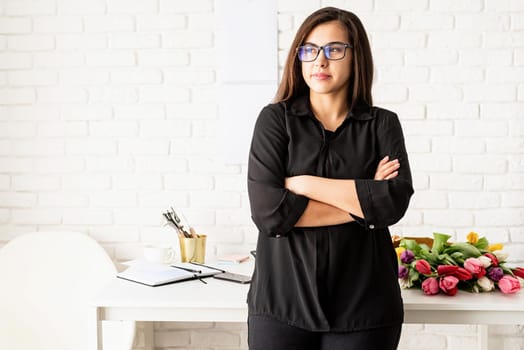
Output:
x=486 y=262
x=404 y=283
x=485 y=284
x=501 y=255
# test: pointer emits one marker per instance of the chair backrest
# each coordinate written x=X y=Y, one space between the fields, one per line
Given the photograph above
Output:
x=46 y=282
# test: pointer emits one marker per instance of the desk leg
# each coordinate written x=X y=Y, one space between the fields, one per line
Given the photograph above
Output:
x=149 y=336
x=96 y=338
x=483 y=337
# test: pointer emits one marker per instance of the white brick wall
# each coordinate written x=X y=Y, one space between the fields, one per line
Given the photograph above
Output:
x=108 y=115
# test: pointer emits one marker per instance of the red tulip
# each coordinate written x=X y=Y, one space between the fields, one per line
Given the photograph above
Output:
x=519 y=272
x=446 y=269
x=423 y=267
x=494 y=260
x=462 y=274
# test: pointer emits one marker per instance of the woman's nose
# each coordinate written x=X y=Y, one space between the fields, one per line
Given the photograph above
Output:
x=321 y=60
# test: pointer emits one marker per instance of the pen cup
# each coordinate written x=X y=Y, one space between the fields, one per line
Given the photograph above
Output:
x=193 y=249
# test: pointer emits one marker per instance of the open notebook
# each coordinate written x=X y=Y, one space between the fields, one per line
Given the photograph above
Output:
x=159 y=274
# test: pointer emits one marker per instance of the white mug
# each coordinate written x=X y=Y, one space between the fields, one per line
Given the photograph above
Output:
x=159 y=254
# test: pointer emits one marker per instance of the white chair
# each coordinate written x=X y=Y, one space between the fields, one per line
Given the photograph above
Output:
x=46 y=282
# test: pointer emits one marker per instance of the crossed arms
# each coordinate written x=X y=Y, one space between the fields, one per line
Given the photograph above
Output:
x=330 y=200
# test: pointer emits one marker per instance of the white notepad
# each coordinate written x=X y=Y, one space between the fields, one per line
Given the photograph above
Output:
x=159 y=274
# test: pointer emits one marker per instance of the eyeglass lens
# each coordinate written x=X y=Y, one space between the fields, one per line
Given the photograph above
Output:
x=308 y=53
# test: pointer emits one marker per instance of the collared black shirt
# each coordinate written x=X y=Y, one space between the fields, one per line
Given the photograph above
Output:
x=331 y=278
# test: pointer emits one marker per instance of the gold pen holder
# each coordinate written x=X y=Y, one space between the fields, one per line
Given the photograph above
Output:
x=193 y=249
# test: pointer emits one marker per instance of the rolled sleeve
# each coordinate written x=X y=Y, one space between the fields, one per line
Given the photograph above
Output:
x=384 y=202
x=274 y=209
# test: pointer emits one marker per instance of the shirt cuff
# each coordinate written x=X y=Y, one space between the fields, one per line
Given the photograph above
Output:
x=365 y=199
x=297 y=207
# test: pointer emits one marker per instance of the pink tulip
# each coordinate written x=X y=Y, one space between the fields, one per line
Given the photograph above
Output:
x=475 y=266
x=448 y=284
x=430 y=286
x=423 y=267
x=509 y=284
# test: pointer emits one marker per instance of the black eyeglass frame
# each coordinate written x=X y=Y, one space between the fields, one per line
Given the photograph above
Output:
x=323 y=48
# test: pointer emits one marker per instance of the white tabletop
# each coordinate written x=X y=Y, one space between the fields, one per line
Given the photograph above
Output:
x=216 y=301
x=415 y=299
x=463 y=308
x=224 y=301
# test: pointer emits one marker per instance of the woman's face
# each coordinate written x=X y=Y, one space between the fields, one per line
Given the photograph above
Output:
x=325 y=76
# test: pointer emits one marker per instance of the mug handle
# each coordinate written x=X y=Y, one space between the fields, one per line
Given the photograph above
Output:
x=170 y=255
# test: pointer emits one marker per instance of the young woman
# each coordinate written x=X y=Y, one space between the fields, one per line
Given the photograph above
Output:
x=328 y=173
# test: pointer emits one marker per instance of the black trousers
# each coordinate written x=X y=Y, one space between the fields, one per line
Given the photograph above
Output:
x=265 y=333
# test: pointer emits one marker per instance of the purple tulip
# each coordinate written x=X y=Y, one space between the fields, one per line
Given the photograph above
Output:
x=495 y=274
x=402 y=272
x=407 y=256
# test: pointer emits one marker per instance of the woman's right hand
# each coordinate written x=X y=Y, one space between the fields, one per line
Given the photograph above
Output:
x=387 y=169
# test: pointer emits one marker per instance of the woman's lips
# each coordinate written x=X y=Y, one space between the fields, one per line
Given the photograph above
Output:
x=320 y=76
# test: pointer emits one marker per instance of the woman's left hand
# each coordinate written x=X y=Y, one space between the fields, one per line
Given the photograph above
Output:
x=387 y=169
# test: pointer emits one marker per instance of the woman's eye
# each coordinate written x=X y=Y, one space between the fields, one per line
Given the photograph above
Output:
x=311 y=50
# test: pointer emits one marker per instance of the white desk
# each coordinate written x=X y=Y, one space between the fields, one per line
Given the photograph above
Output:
x=222 y=301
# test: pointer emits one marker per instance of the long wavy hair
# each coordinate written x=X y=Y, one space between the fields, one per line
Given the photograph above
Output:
x=359 y=92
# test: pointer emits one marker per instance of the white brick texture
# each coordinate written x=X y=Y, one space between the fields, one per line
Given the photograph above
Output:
x=80 y=7
x=15 y=25
x=29 y=7
x=109 y=115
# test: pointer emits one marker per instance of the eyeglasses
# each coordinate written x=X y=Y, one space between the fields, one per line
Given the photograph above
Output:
x=332 y=51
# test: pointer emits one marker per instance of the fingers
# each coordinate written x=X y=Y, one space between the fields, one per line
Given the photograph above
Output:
x=383 y=161
x=392 y=175
x=387 y=169
x=390 y=167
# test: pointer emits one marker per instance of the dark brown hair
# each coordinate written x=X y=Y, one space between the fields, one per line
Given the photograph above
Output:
x=359 y=92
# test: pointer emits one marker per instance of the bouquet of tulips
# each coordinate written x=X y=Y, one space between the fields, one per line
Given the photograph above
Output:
x=474 y=266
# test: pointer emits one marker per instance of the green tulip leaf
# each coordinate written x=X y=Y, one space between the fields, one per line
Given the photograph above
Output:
x=440 y=241
x=482 y=243
x=466 y=249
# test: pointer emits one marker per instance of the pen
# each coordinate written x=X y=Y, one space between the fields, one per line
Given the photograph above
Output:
x=186 y=269
x=209 y=267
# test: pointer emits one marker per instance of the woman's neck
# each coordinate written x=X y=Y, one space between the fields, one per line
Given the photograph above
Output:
x=329 y=109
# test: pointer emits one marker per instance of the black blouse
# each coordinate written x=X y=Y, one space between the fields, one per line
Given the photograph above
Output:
x=331 y=278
